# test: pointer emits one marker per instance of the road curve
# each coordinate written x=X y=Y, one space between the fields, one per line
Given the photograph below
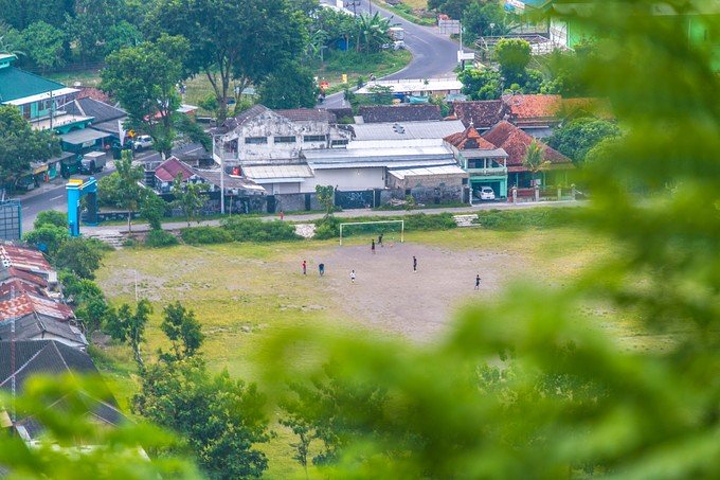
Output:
x=433 y=54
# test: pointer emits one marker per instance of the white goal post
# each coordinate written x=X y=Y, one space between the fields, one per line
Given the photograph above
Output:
x=401 y=222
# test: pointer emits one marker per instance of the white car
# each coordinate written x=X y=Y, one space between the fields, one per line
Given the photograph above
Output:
x=486 y=193
x=142 y=142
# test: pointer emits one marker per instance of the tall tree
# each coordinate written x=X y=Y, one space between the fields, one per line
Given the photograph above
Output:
x=20 y=144
x=293 y=86
x=188 y=197
x=44 y=45
x=182 y=328
x=89 y=24
x=513 y=55
x=576 y=138
x=128 y=191
x=129 y=327
x=236 y=43
x=144 y=79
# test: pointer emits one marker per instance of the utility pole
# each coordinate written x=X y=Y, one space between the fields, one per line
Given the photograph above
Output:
x=222 y=175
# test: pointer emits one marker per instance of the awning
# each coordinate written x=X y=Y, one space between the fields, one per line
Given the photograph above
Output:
x=81 y=137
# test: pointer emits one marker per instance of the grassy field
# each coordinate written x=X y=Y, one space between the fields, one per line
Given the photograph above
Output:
x=245 y=293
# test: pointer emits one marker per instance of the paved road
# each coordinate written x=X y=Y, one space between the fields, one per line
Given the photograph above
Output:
x=433 y=54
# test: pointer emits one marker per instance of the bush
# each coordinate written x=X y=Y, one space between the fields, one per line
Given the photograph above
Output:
x=254 y=230
x=328 y=227
x=205 y=235
x=160 y=238
x=422 y=221
x=520 y=219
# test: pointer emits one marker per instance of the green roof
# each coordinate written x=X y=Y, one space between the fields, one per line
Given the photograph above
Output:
x=16 y=83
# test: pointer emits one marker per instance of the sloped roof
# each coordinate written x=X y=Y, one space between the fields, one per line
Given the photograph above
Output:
x=170 y=168
x=406 y=130
x=11 y=287
x=34 y=327
x=400 y=113
x=482 y=114
x=12 y=273
x=26 y=303
x=469 y=139
x=92 y=92
x=53 y=358
x=16 y=84
x=24 y=258
x=308 y=115
x=100 y=111
x=515 y=142
x=534 y=107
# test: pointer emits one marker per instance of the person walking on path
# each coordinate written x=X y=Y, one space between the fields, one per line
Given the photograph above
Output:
x=372 y=245
x=321 y=269
x=282 y=215
x=477 y=282
x=304 y=267
x=380 y=239
x=352 y=276
x=414 y=264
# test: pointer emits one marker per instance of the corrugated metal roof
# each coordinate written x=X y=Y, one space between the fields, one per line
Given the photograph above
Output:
x=395 y=164
x=24 y=258
x=407 y=130
x=427 y=171
x=81 y=136
x=25 y=304
x=386 y=154
x=16 y=84
x=262 y=172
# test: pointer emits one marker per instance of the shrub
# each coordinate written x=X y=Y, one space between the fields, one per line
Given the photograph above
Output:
x=205 y=235
x=255 y=230
x=422 y=221
x=519 y=219
x=160 y=238
x=328 y=227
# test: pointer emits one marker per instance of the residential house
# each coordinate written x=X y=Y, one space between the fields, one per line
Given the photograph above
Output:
x=414 y=90
x=261 y=135
x=36 y=326
x=515 y=142
x=482 y=115
x=391 y=132
x=168 y=171
x=106 y=118
x=28 y=260
x=16 y=304
x=22 y=359
x=399 y=113
x=485 y=163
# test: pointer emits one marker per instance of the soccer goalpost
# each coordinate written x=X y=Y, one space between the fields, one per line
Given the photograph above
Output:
x=375 y=231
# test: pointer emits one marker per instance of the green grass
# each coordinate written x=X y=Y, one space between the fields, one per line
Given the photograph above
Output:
x=409 y=11
x=359 y=65
x=244 y=293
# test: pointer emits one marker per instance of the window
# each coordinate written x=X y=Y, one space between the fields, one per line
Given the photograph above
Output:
x=285 y=139
x=255 y=140
x=338 y=142
x=314 y=138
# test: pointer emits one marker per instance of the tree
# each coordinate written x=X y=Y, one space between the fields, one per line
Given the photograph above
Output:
x=183 y=330
x=576 y=138
x=51 y=217
x=44 y=45
x=291 y=87
x=47 y=238
x=153 y=209
x=513 y=55
x=326 y=197
x=79 y=256
x=222 y=420
x=573 y=403
x=144 y=79
x=534 y=159
x=121 y=35
x=90 y=23
x=188 y=197
x=128 y=191
x=20 y=144
x=372 y=32
x=128 y=327
x=483 y=84
x=88 y=300
x=231 y=46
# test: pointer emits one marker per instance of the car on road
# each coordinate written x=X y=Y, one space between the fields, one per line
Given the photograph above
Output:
x=142 y=142
x=485 y=193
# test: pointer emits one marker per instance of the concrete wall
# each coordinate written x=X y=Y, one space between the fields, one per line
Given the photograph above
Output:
x=348 y=179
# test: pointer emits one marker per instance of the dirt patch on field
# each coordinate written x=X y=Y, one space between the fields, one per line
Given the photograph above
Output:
x=388 y=295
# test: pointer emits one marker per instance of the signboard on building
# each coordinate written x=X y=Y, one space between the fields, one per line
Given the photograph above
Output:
x=10 y=220
x=449 y=27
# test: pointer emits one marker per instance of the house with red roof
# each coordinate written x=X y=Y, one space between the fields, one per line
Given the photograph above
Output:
x=168 y=171
x=515 y=142
x=484 y=162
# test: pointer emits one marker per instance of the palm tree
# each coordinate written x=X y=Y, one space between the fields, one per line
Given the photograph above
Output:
x=372 y=32
x=534 y=159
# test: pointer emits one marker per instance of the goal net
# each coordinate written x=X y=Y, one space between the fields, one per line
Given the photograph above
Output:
x=391 y=230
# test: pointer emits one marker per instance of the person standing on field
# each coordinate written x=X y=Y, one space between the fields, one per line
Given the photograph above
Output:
x=477 y=282
x=372 y=245
x=352 y=276
x=304 y=267
x=321 y=269
x=380 y=239
x=414 y=264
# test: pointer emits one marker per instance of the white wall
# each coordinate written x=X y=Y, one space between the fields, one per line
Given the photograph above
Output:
x=348 y=179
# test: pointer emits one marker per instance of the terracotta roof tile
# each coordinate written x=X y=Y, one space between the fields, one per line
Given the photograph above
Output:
x=515 y=142
x=170 y=168
x=470 y=138
x=534 y=107
x=27 y=303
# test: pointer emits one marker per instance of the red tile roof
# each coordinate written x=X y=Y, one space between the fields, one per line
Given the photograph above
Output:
x=170 y=168
x=469 y=139
x=515 y=142
x=533 y=107
x=27 y=303
x=28 y=277
x=15 y=287
x=482 y=114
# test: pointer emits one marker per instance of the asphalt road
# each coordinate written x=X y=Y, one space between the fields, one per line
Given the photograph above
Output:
x=434 y=55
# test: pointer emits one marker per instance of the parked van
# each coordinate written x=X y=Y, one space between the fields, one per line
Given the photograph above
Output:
x=93 y=162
